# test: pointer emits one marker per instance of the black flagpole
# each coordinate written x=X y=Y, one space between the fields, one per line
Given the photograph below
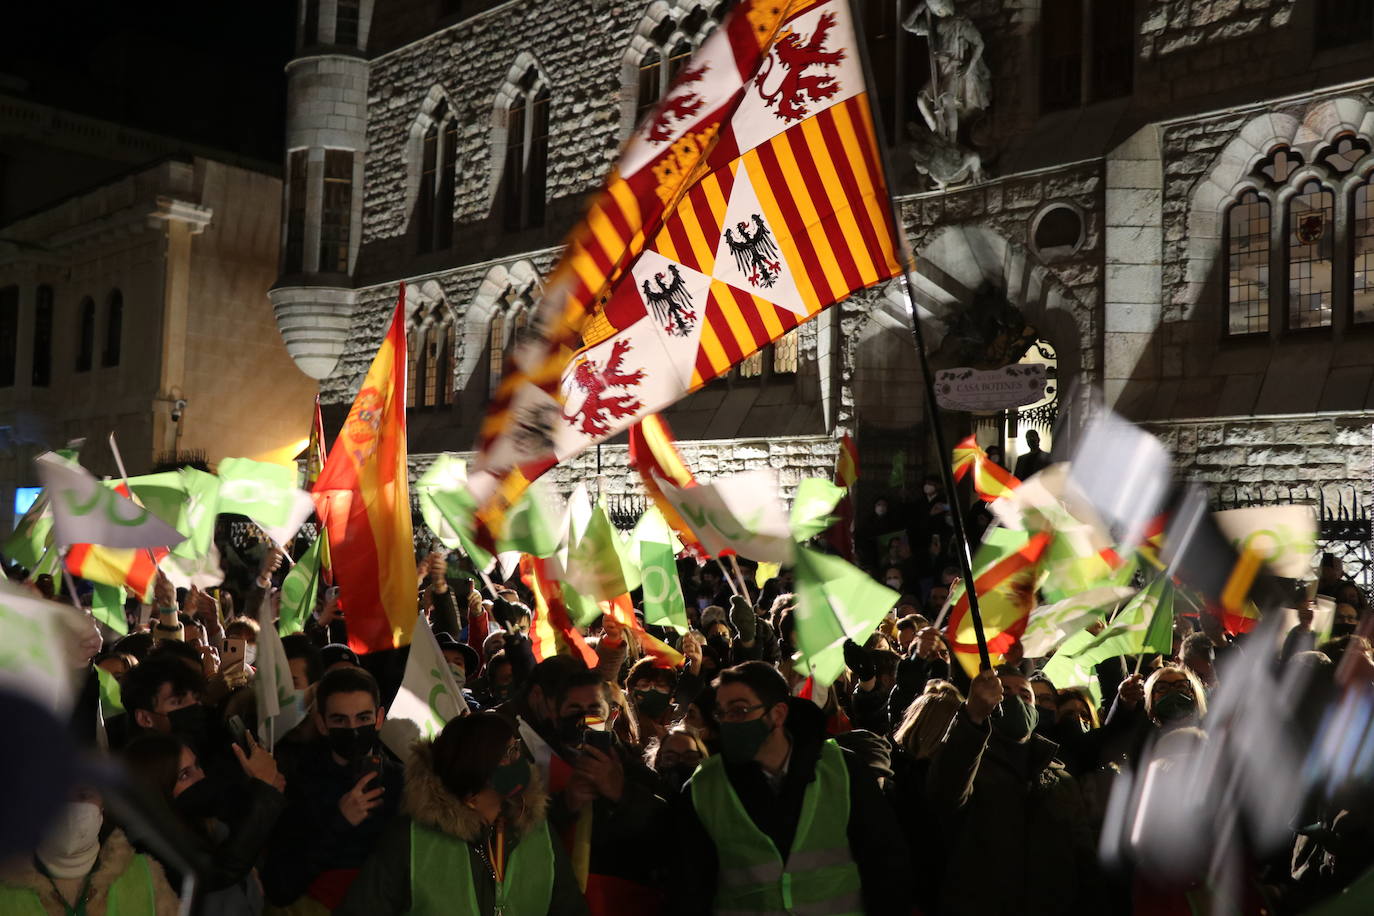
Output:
x=906 y=257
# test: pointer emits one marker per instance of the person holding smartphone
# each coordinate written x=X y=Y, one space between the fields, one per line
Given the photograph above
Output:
x=336 y=815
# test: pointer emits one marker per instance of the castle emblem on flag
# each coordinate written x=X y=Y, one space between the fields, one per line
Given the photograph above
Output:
x=677 y=107
x=599 y=408
x=756 y=255
x=796 y=59
x=671 y=303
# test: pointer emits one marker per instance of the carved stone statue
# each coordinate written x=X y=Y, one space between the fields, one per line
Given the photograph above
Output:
x=959 y=89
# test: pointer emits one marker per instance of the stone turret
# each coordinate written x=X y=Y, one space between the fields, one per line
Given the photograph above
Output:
x=326 y=138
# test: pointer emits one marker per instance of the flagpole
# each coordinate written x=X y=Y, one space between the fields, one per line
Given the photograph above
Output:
x=906 y=257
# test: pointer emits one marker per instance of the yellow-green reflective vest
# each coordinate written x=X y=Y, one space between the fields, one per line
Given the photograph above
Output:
x=130 y=895
x=819 y=877
x=441 y=874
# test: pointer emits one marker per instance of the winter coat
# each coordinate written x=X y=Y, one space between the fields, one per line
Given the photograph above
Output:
x=383 y=885
x=875 y=840
x=312 y=835
x=116 y=857
x=1018 y=835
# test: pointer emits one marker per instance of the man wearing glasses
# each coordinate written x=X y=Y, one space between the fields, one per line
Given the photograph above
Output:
x=784 y=820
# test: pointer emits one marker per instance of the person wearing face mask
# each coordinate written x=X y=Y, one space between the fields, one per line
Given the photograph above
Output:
x=348 y=790
x=784 y=819
x=163 y=695
x=227 y=846
x=1175 y=698
x=474 y=835
x=999 y=796
x=83 y=865
x=462 y=660
x=676 y=756
x=650 y=690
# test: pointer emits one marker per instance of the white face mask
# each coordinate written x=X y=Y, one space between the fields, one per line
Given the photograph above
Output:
x=71 y=845
x=459 y=675
x=250 y=654
x=894 y=583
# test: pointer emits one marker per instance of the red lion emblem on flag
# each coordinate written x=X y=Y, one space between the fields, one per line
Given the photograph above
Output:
x=595 y=381
x=796 y=58
x=678 y=107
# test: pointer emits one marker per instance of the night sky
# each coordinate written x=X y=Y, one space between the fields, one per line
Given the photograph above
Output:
x=205 y=71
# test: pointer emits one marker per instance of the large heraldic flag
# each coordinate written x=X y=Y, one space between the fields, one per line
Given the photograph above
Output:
x=785 y=213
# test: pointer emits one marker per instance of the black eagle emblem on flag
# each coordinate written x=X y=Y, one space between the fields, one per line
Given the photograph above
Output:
x=671 y=302
x=756 y=255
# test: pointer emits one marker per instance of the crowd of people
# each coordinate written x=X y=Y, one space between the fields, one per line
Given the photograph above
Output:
x=731 y=783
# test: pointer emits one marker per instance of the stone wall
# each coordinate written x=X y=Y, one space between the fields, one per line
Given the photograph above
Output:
x=792 y=458
x=1264 y=458
x=471 y=61
x=1172 y=26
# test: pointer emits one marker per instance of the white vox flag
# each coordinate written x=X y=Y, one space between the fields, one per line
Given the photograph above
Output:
x=35 y=653
x=741 y=513
x=429 y=696
x=278 y=700
x=1285 y=537
x=87 y=512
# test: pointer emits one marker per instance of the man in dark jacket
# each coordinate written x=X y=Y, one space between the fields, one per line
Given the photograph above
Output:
x=1020 y=840
x=345 y=792
x=753 y=826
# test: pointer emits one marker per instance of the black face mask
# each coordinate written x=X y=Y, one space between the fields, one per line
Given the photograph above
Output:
x=200 y=800
x=675 y=777
x=191 y=724
x=568 y=730
x=721 y=645
x=1341 y=629
x=353 y=743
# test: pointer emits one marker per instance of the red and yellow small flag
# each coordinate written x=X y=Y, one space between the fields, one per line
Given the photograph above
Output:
x=551 y=627
x=990 y=480
x=654 y=454
x=1006 y=594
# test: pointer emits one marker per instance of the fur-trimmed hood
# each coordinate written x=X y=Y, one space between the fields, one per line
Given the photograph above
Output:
x=427 y=802
x=116 y=855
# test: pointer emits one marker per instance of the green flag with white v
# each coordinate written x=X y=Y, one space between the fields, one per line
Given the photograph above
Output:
x=656 y=548
x=835 y=601
x=299 y=590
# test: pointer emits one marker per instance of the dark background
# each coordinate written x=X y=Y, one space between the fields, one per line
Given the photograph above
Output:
x=204 y=71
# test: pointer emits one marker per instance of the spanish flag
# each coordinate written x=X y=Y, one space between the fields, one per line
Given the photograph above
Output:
x=990 y=480
x=551 y=627
x=1005 y=582
x=363 y=498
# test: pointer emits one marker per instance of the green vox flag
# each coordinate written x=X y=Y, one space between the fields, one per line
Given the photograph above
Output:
x=186 y=499
x=1145 y=624
x=32 y=536
x=532 y=526
x=654 y=546
x=448 y=507
x=107 y=605
x=110 y=703
x=299 y=590
x=598 y=566
x=835 y=601
x=812 y=506
x=266 y=493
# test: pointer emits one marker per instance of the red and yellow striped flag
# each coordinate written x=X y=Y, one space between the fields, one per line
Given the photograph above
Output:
x=363 y=499
x=778 y=210
x=551 y=627
x=1006 y=594
x=990 y=480
x=654 y=454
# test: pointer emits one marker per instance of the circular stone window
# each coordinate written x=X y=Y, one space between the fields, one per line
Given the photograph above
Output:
x=1057 y=231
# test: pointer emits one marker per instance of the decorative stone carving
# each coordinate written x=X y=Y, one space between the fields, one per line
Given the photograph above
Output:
x=959 y=89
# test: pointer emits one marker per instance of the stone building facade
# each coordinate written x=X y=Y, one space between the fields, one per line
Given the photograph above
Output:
x=138 y=307
x=1170 y=206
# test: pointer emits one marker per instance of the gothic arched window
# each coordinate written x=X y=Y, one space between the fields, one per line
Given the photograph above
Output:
x=1362 y=215
x=114 y=330
x=527 y=154
x=1310 y=241
x=438 y=162
x=496 y=352
x=1247 y=265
